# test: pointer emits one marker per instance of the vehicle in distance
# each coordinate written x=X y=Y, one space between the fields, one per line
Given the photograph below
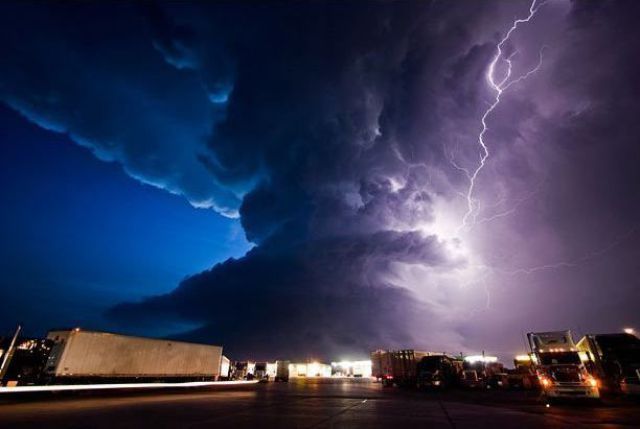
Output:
x=438 y=372
x=559 y=368
x=282 y=370
x=523 y=376
x=615 y=360
x=397 y=367
x=381 y=364
x=91 y=356
x=261 y=372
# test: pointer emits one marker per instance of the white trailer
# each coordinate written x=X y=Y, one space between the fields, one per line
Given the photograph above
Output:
x=96 y=356
x=381 y=364
x=225 y=368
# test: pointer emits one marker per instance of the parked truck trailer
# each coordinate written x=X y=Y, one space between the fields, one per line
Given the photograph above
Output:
x=225 y=368
x=380 y=364
x=397 y=367
x=282 y=370
x=90 y=356
x=615 y=360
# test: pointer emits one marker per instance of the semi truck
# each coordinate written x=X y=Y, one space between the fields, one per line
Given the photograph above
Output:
x=559 y=367
x=380 y=364
x=615 y=360
x=261 y=372
x=282 y=370
x=397 y=367
x=523 y=376
x=81 y=356
x=480 y=371
x=438 y=372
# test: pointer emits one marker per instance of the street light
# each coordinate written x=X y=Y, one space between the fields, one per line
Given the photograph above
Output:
x=629 y=331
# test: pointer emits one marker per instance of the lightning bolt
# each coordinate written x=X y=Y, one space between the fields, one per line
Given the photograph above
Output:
x=499 y=86
x=570 y=263
x=507 y=211
x=485 y=271
x=579 y=261
x=499 y=82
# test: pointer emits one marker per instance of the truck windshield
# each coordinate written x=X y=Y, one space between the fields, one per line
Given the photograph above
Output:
x=621 y=347
x=559 y=358
x=431 y=363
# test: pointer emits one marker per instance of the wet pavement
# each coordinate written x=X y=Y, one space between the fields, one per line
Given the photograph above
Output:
x=311 y=404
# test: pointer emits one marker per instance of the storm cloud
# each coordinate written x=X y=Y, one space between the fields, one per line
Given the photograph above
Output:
x=340 y=133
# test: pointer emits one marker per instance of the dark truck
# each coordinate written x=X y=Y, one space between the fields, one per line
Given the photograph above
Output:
x=282 y=370
x=260 y=371
x=614 y=360
x=437 y=372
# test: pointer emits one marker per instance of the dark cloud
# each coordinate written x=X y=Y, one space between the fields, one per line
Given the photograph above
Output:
x=328 y=215
x=90 y=71
x=314 y=298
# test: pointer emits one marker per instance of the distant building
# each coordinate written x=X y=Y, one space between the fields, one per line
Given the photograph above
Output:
x=311 y=369
x=359 y=368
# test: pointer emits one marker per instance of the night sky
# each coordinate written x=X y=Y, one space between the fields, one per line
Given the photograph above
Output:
x=321 y=178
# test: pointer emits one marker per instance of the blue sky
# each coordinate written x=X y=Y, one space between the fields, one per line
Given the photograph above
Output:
x=79 y=235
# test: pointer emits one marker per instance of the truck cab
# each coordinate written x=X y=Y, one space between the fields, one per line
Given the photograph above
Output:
x=282 y=370
x=260 y=372
x=615 y=360
x=436 y=372
x=558 y=367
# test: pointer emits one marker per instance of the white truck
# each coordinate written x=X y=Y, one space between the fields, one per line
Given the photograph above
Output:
x=90 y=356
x=558 y=366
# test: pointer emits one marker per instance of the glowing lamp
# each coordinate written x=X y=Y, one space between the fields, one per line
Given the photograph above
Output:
x=480 y=358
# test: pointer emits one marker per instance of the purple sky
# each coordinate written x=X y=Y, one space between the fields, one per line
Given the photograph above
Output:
x=344 y=135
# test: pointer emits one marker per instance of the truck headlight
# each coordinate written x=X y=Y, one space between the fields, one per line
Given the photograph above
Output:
x=545 y=381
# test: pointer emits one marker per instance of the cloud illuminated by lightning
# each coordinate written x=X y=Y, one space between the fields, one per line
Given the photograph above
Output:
x=499 y=86
x=574 y=262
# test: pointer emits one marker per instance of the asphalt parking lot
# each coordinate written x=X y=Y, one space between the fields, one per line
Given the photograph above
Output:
x=310 y=404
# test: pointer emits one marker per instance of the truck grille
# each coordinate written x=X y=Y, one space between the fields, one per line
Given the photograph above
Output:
x=566 y=377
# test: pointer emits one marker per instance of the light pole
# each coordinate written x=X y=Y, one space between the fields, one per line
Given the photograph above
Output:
x=4 y=366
